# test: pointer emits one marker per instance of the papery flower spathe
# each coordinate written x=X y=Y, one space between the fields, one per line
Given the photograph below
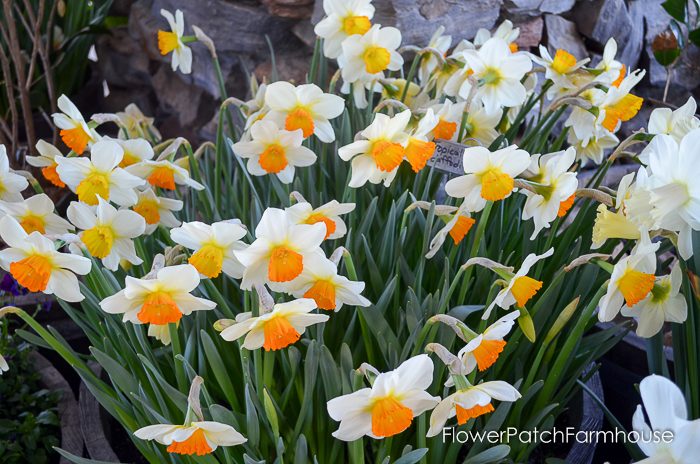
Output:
x=632 y=279
x=75 y=132
x=274 y=151
x=490 y=176
x=499 y=72
x=389 y=406
x=470 y=402
x=483 y=350
x=99 y=175
x=161 y=300
x=328 y=214
x=171 y=41
x=304 y=107
x=276 y=329
x=46 y=161
x=663 y=303
x=157 y=210
x=321 y=282
x=11 y=184
x=36 y=213
x=665 y=407
x=35 y=264
x=676 y=123
x=213 y=246
x=196 y=436
x=343 y=19
x=377 y=156
x=280 y=248
x=108 y=233
x=554 y=187
x=163 y=174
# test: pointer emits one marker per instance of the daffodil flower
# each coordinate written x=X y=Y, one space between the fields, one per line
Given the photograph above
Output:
x=277 y=329
x=631 y=280
x=610 y=70
x=46 y=161
x=280 y=249
x=75 y=132
x=157 y=210
x=559 y=69
x=304 y=107
x=321 y=282
x=4 y=367
x=195 y=436
x=35 y=264
x=663 y=303
x=274 y=151
x=619 y=104
x=172 y=41
x=389 y=406
x=343 y=19
x=108 y=233
x=458 y=223
x=377 y=156
x=328 y=214
x=135 y=151
x=163 y=174
x=483 y=350
x=490 y=176
x=676 y=123
x=36 y=213
x=470 y=402
x=499 y=72
x=420 y=147
x=554 y=188
x=162 y=300
x=665 y=407
x=429 y=63
x=11 y=184
x=592 y=149
x=213 y=246
x=100 y=176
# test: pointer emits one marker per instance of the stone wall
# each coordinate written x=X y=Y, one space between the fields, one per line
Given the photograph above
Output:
x=130 y=64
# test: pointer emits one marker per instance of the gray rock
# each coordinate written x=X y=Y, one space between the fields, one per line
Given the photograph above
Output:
x=562 y=33
x=556 y=6
x=523 y=7
x=530 y=32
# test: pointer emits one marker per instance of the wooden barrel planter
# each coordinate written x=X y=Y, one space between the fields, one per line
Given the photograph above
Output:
x=94 y=423
x=591 y=421
x=51 y=378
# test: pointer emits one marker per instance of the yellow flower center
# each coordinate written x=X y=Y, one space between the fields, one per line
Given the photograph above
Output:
x=390 y=417
x=318 y=217
x=99 y=241
x=376 y=59
x=418 y=152
x=445 y=130
x=524 y=288
x=623 y=110
x=32 y=272
x=463 y=415
x=496 y=184
x=613 y=225
x=635 y=286
x=356 y=25
x=50 y=174
x=387 y=155
x=323 y=293
x=513 y=47
x=208 y=260
x=563 y=61
x=487 y=353
x=194 y=444
x=273 y=159
x=76 y=138
x=285 y=264
x=128 y=159
x=148 y=209
x=300 y=118
x=163 y=177
x=279 y=333
x=95 y=184
x=491 y=76
x=33 y=223
x=167 y=42
x=159 y=308
x=461 y=228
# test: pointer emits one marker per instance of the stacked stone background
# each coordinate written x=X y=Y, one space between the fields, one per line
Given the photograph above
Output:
x=133 y=70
